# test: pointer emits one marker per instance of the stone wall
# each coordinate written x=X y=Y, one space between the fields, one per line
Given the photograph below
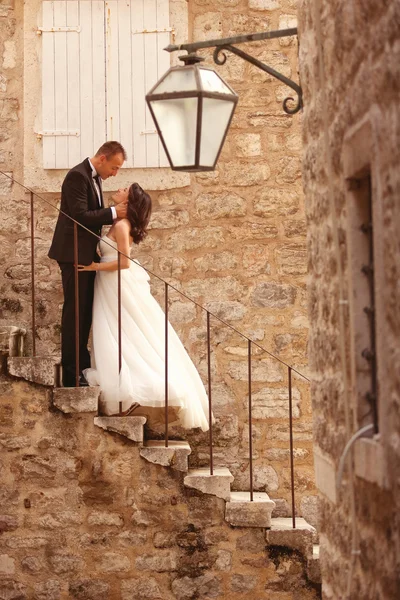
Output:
x=349 y=66
x=84 y=517
x=232 y=240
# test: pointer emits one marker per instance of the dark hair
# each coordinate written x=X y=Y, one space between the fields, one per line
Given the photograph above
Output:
x=110 y=149
x=139 y=212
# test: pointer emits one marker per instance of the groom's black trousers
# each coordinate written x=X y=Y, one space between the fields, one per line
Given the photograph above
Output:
x=85 y=288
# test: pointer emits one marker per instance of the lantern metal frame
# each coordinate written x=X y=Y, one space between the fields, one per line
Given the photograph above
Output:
x=191 y=60
x=228 y=44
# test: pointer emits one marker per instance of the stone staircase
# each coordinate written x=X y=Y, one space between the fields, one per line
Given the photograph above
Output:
x=240 y=511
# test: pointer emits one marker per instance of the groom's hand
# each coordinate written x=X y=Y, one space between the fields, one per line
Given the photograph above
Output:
x=121 y=210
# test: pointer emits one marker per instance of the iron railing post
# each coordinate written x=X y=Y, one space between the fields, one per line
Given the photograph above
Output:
x=166 y=363
x=291 y=446
x=250 y=423
x=76 y=258
x=33 y=276
x=209 y=395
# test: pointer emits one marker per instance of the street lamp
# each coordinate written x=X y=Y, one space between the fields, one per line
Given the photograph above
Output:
x=192 y=106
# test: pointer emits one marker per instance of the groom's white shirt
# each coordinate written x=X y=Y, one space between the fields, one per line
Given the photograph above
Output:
x=94 y=174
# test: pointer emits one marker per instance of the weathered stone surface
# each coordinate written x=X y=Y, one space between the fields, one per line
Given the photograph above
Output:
x=48 y=590
x=213 y=206
x=313 y=566
x=206 y=586
x=191 y=239
x=89 y=589
x=275 y=202
x=62 y=562
x=240 y=512
x=248 y=144
x=13 y=590
x=175 y=456
x=112 y=562
x=130 y=427
x=309 y=509
x=7 y=565
x=76 y=400
x=273 y=295
x=243 y=583
x=160 y=563
x=262 y=370
x=182 y=312
x=141 y=589
x=282 y=533
x=8 y=523
x=234 y=174
x=227 y=310
x=273 y=403
x=265 y=478
x=224 y=560
x=14 y=442
x=108 y=519
x=292 y=259
x=163 y=539
x=168 y=219
x=31 y=564
x=12 y=340
x=218 y=484
x=264 y=4
x=37 y=370
x=216 y=262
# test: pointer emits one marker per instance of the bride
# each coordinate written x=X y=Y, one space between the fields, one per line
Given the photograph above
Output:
x=142 y=377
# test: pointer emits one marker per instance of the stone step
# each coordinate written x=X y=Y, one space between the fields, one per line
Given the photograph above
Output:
x=76 y=400
x=313 y=566
x=218 y=484
x=174 y=456
x=12 y=340
x=240 y=511
x=41 y=370
x=129 y=427
x=282 y=533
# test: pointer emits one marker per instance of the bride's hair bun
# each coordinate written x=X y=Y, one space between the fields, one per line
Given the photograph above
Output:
x=139 y=212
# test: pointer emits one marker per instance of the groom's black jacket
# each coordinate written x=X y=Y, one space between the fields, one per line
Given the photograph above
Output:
x=79 y=200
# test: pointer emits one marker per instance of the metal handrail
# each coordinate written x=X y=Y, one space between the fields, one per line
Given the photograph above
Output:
x=167 y=285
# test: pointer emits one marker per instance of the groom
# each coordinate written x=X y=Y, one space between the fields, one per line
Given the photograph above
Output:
x=82 y=199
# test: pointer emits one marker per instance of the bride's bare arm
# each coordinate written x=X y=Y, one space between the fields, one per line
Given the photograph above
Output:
x=121 y=232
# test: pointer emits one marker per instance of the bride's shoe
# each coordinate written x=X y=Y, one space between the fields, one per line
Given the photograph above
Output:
x=127 y=412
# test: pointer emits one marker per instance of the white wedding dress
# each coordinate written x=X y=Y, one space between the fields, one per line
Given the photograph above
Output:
x=142 y=377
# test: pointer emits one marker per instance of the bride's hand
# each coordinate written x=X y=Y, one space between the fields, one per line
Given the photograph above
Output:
x=92 y=267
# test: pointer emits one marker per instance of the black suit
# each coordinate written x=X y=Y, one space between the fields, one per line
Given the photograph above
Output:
x=79 y=200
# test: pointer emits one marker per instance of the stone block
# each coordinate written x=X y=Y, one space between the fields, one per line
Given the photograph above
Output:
x=12 y=340
x=282 y=533
x=174 y=456
x=160 y=563
x=7 y=565
x=240 y=511
x=129 y=427
x=37 y=370
x=313 y=566
x=106 y=519
x=140 y=589
x=76 y=400
x=89 y=589
x=218 y=484
x=112 y=562
x=48 y=590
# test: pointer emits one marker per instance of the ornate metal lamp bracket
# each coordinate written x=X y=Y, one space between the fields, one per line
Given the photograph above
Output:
x=229 y=44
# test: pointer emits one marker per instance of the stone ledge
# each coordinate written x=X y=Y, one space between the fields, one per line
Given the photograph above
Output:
x=129 y=427
x=313 y=566
x=174 y=456
x=39 y=370
x=218 y=484
x=76 y=400
x=241 y=512
x=283 y=534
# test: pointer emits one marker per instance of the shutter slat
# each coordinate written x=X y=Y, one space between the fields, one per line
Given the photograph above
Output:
x=125 y=79
x=98 y=106
x=112 y=70
x=73 y=86
x=85 y=70
x=60 y=77
x=164 y=62
x=48 y=97
x=150 y=52
x=138 y=68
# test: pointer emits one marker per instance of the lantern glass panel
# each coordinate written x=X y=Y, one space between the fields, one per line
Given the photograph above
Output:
x=214 y=123
x=177 y=119
x=179 y=80
x=211 y=82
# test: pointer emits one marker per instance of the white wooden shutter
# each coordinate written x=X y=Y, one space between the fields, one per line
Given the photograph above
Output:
x=73 y=90
x=136 y=33
x=99 y=58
